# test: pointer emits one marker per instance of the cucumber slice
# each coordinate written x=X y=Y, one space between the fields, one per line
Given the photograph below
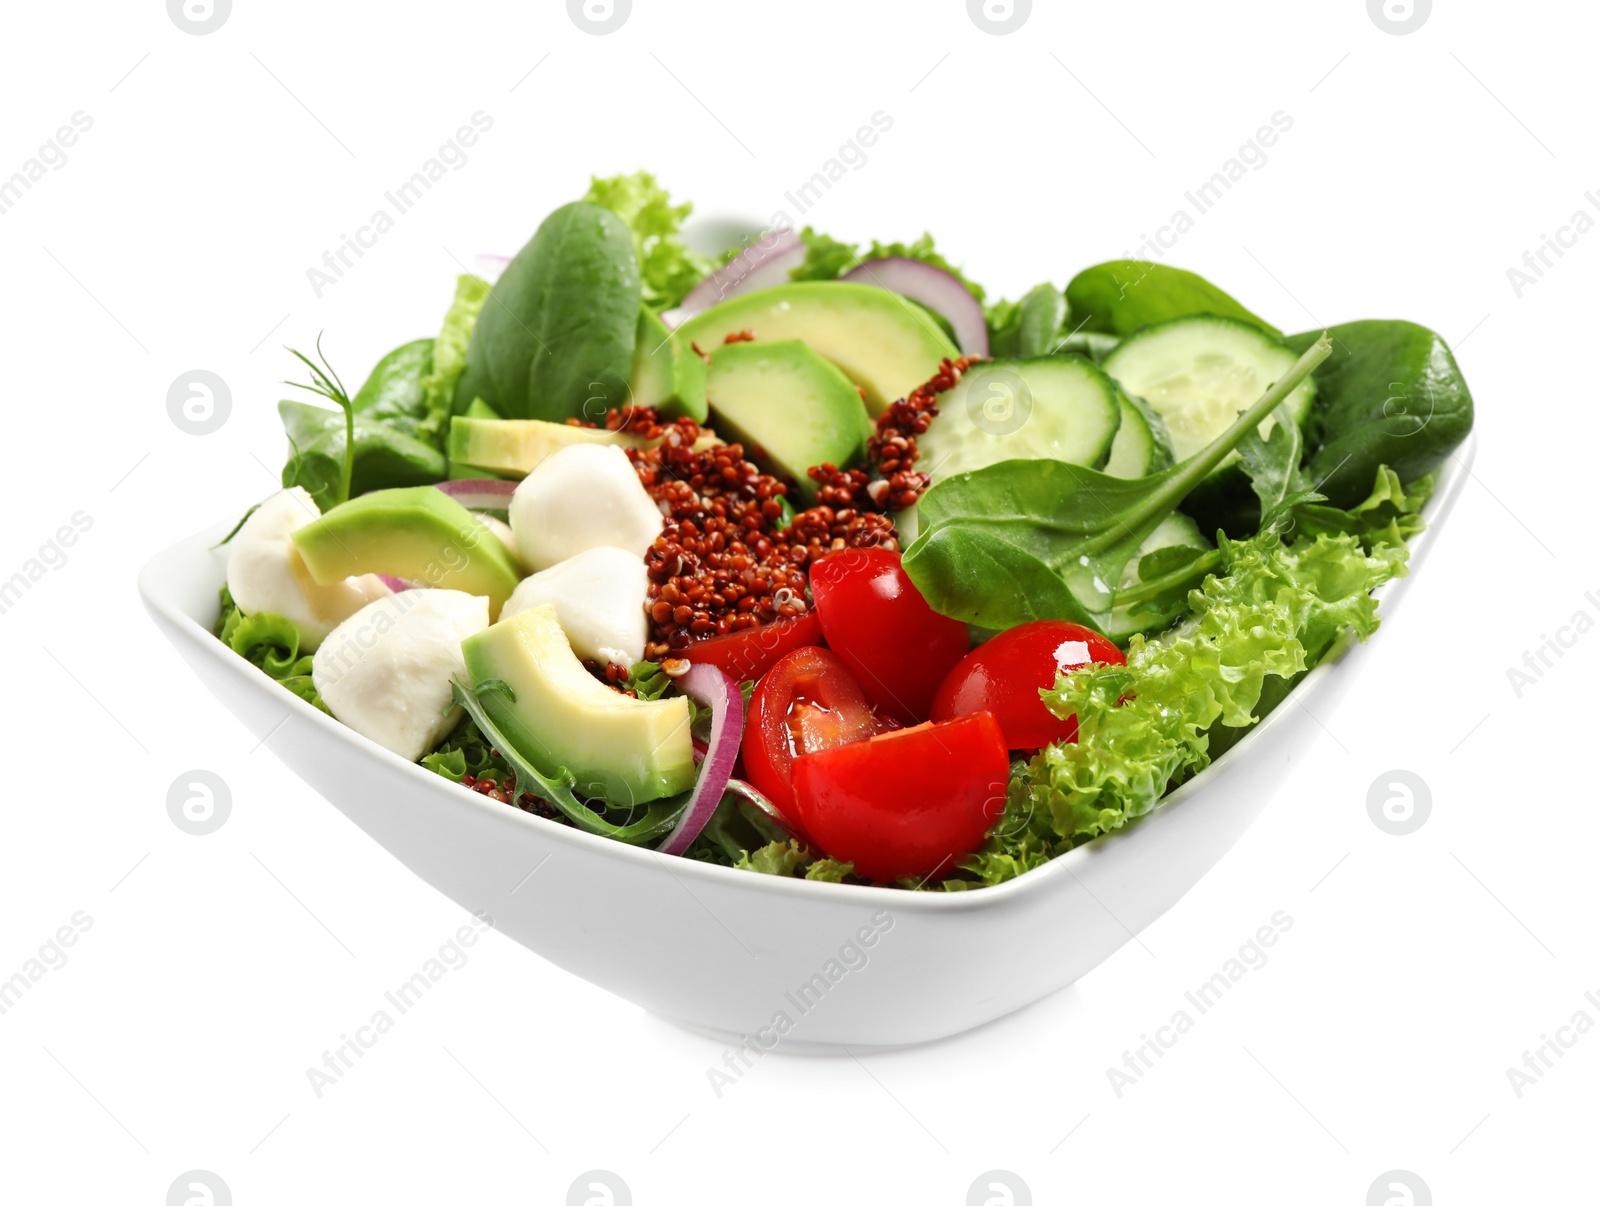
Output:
x=1142 y=445
x=1059 y=408
x=1176 y=531
x=1198 y=373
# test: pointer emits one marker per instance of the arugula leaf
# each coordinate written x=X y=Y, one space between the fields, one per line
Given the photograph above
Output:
x=667 y=268
x=243 y=519
x=1026 y=540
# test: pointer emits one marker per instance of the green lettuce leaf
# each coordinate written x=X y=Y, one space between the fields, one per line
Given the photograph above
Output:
x=667 y=268
x=449 y=356
x=1143 y=726
x=827 y=258
x=270 y=642
x=775 y=858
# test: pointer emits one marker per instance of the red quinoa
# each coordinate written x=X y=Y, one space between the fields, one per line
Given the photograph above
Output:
x=723 y=562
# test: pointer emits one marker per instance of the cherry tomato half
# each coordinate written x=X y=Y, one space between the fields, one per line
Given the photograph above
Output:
x=807 y=702
x=912 y=802
x=749 y=653
x=1004 y=676
x=898 y=647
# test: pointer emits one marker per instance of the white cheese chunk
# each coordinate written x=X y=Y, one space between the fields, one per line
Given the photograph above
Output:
x=583 y=497
x=599 y=597
x=266 y=572
x=386 y=670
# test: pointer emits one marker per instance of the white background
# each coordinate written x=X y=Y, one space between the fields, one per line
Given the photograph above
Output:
x=178 y=236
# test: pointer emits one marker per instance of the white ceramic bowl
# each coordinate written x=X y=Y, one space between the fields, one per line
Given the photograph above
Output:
x=806 y=966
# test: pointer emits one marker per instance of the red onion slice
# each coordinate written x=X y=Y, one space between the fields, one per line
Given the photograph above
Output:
x=932 y=287
x=713 y=688
x=480 y=493
x=763 y=264
x=395 y=584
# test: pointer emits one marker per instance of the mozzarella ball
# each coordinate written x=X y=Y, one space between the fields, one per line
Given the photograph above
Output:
x=386 y=670
x=503 y=530
x=583 y=497
x=267 y=574
x=599 y=597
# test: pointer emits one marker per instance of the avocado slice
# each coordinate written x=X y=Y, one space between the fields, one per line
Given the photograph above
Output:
x=516 y=446
x=885 y=344
x=560 y=717
x=667 y=373
x=788 y=406
x=418 y=533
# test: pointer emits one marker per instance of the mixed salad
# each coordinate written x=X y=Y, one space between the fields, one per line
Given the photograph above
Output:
x=816 y=561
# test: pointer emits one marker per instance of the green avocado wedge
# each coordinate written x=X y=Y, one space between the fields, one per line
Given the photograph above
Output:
x=420 y=534
x=885 y=344
x=788 y=406
x=667 y=373
x=561 y=718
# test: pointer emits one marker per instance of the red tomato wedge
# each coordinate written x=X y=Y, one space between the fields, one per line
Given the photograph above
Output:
x=898 y=647
x=807 y=702
x=907 y=803
x=749 y=653
x=1004 y=676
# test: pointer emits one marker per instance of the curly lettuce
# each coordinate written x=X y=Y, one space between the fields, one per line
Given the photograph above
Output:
x=828 y=259
x=271 y=643
x=1271 y=613
x=667 y=268
x=449 y=359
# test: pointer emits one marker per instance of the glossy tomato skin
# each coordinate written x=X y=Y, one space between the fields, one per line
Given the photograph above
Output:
x=912 y=802
x=806 y=702
x=898 y=647
x=749 y=653
x=1004 y=676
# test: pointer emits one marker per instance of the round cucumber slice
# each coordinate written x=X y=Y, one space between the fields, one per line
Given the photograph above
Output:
x=1175 y=531
x=1198 y=373
x=1059 y=408
x=1142 y=445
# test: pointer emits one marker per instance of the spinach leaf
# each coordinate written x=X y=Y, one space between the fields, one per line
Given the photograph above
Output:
x=319 y=471
x=385 y=456
x=555 y=338
x=1121 y=296
x=1026 y=540
x=1391 y=394
x=1095 y=346
x=393 y=390
x=1029 y=327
